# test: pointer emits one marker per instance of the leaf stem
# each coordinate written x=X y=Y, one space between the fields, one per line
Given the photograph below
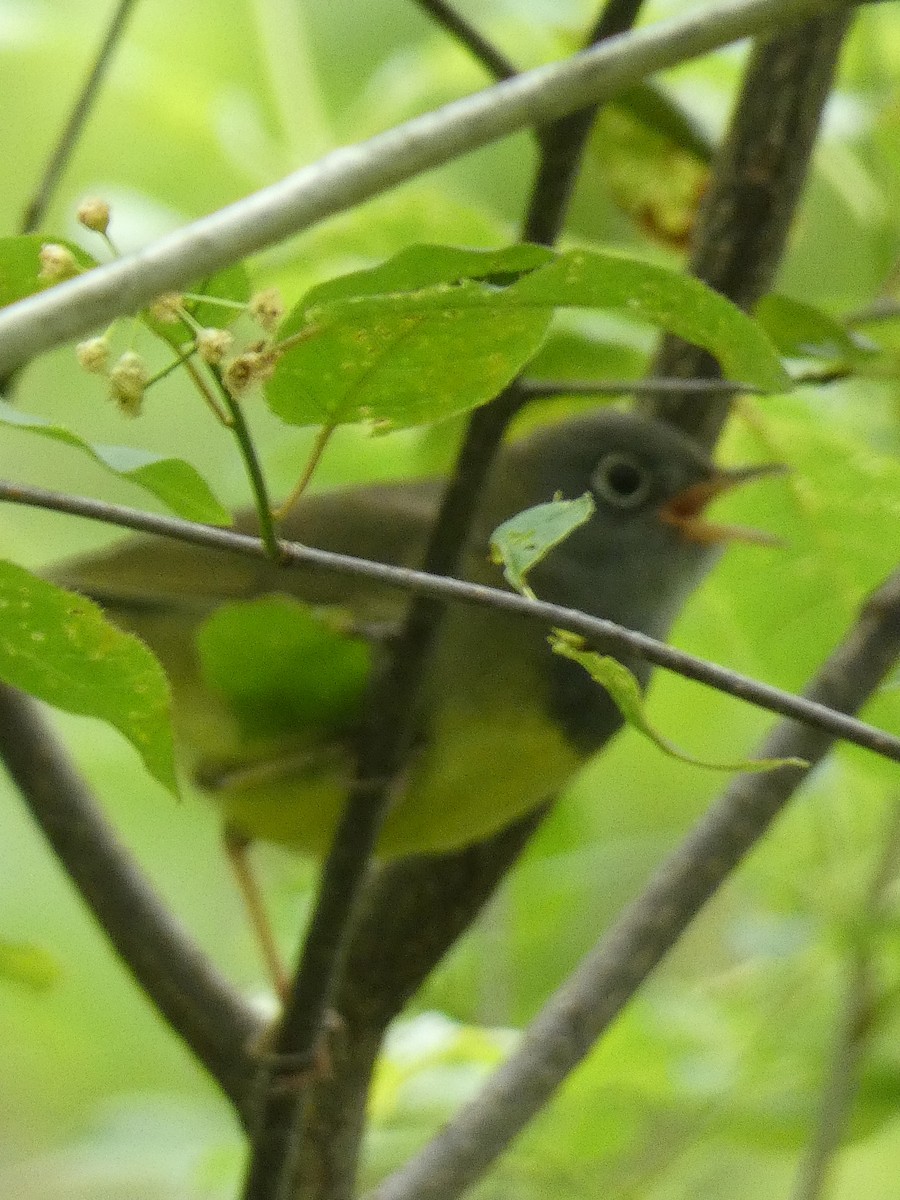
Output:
x=315 y=457
x=258 y=485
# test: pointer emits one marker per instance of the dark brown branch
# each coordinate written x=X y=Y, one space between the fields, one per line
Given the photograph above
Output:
x=586 y=1005
x=563 y=142
x=412 y=913
x=389 y=727
x=81 y=110
x=756 y=185
x=496 y=63
x=198 y=1004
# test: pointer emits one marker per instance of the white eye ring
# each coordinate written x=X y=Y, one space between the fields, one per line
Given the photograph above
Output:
x=622 y=480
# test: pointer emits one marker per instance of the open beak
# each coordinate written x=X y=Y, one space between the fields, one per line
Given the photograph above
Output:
x=686 y=511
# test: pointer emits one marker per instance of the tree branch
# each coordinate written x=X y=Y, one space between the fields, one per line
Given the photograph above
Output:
x=496 y=64
x=352 y=174
x=196 y=1002
x=563 y=142
x=585 y=1006
x=609 y=635
x=81 y=110
x=756 y=185
x=388 y=730
x=412 y=912
x=537 y=389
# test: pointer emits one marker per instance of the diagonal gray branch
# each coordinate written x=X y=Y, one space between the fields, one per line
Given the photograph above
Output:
x=198 y=1004
x=590 y=1000
x=352 y=174
x=605 y=634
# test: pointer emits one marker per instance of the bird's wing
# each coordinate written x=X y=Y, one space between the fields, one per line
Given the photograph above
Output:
x=167 y=592
x=389 y=523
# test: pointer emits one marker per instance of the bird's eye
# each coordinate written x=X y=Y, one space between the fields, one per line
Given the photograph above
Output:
x=622 y=480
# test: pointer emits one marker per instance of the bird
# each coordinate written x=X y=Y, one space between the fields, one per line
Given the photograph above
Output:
x=502 y=722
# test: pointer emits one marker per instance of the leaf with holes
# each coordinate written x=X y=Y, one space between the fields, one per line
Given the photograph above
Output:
x=438 y=331
x=525 y=539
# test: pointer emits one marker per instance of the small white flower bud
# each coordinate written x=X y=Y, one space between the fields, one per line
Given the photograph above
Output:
x=253 y=366
x=57 y=263
x=128 y=382
x=267 y=308
x=167 y=309
x=93 y=213
x=213 y=345
x=93 y=355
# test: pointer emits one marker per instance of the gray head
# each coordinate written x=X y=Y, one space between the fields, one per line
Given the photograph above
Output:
x=648 y=545
x=641 y=554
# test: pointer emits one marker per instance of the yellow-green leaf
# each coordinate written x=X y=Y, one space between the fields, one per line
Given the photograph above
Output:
x=629 y=699
x=521 y=542
x=60 y=647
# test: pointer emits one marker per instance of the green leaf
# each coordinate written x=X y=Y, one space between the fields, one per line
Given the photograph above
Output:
x=653 y=163
x=437 y=331
x=20 y=264
x=28 y=965
x=172 y=480
x=629 y=699
x=525 y=539
x=284 y=667
x=800 y=330
x=401 y=362
x=406 y=343
x=420 y=267
x=664 y=298
x=60 y=647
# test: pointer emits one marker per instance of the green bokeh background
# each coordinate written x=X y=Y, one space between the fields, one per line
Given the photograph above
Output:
x=709 y=1084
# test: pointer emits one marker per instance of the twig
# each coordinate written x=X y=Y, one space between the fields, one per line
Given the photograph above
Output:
x=613 y=637
x=259 y=489
x=584 y=1007
x=352 y=174
x=654 y=385
x=68 y=139
x=538 y=389
x=756 y=185
x=496 y=63
x=198 y=1004
x=854 y=1027
x=563 y=141
x=882 y=308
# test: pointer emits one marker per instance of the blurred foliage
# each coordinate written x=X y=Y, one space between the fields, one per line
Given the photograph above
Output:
x=709 y=1084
